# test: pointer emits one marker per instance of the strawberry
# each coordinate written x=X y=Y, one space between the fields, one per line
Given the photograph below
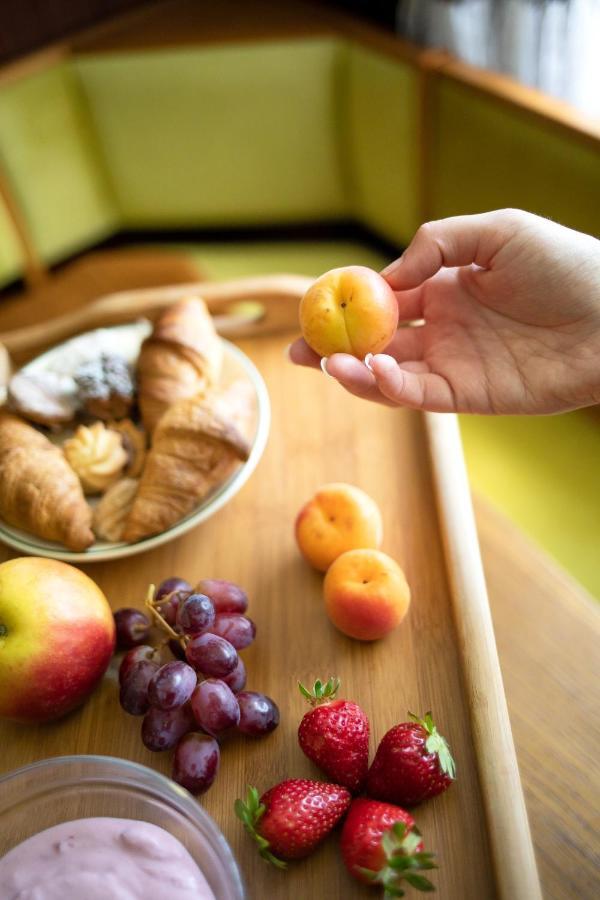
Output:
x=293 y=817
x=412 y=763
x=380 y=845
x=335 y=735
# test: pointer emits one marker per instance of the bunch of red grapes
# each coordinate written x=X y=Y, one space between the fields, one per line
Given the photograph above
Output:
x=198 y=699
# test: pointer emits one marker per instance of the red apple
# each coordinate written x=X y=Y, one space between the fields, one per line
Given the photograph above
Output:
x=57 y=636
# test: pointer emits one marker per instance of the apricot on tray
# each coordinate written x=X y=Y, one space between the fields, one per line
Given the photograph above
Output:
x=338 y=518
x=366 y=594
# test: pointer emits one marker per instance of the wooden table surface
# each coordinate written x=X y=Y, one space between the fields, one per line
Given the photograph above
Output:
x=546 y=631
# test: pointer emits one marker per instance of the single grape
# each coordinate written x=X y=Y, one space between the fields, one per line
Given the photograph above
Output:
x=162 y=728
x=137 y=654
x=196 y=762
x=172 y=685
x=133 y=695
x=176 y=649
x=258 y=713
x=195 y=613
x=236 y=680
x=240 y=631
x=167 y=607
x=133 y=628
x=225 y=595
x=211 y=654
x=214 y=707
x=169 y=585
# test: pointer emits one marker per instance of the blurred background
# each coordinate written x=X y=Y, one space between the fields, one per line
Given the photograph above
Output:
x=148 y=143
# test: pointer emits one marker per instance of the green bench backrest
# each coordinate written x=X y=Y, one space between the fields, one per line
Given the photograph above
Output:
x=382 y=130
x=233 y=135
x=49 y=155
x=487 y=155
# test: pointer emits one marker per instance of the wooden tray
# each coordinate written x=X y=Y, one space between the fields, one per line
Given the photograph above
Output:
x=442 y=658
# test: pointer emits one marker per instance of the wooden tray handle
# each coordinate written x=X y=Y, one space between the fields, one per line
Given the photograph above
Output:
x=243 y=307
x=511 y=846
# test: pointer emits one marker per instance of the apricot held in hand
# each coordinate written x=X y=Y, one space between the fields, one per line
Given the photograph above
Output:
x=349 y=310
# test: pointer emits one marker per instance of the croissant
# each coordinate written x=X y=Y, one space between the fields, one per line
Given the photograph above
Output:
x=235 y=403
x=134 y=443
x=194 y=449
x=39 y=492
x=113 y=509
x=181 y=358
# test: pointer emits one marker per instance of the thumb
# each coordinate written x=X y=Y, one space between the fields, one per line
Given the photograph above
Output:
x=457 y=241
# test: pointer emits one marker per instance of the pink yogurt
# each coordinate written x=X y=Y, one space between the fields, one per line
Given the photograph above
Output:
x=101 y=858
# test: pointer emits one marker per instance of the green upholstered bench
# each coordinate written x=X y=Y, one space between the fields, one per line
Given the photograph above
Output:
x=276 y=132
x=295 y=130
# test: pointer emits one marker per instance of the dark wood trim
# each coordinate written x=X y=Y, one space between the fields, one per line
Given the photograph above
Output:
x=32 y=63
x=179 y=23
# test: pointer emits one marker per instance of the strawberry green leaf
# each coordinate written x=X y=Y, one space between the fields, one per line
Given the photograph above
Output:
x=403 y=861
x=425 y=860
x=437 y=744
x=410 y=843
x=321 y=692
x=305 y=693
x=250 y=813
x=367 y=873
x=391 y=890
x=419 y=882
x=273 y=860
x=390 y=843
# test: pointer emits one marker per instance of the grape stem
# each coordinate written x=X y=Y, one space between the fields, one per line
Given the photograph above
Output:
x=150 y=604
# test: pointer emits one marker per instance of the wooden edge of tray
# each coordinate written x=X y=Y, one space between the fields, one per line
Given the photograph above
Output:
x=241 y=307
x=506 y=814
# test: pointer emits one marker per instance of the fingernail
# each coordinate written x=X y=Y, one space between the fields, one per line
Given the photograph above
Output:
x=392 y=267
x=368 y=360
x=324 y=367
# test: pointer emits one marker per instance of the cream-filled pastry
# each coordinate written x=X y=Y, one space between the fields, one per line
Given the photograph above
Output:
x=96 y=454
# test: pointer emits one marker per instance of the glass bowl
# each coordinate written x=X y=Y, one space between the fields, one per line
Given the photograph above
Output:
x=63 y=788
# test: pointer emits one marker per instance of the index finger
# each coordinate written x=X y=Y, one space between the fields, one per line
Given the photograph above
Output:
x=456 y=241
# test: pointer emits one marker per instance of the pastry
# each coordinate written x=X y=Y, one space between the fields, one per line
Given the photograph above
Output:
x=181 y=358
x=113 y=509
x=134 y=442
x=96 y=455
x=193 y=450
x=46 y=398
x=236 y=403
x=39 y=492
x=105 y=387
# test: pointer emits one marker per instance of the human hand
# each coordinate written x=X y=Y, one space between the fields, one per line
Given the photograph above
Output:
x=510 y=310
